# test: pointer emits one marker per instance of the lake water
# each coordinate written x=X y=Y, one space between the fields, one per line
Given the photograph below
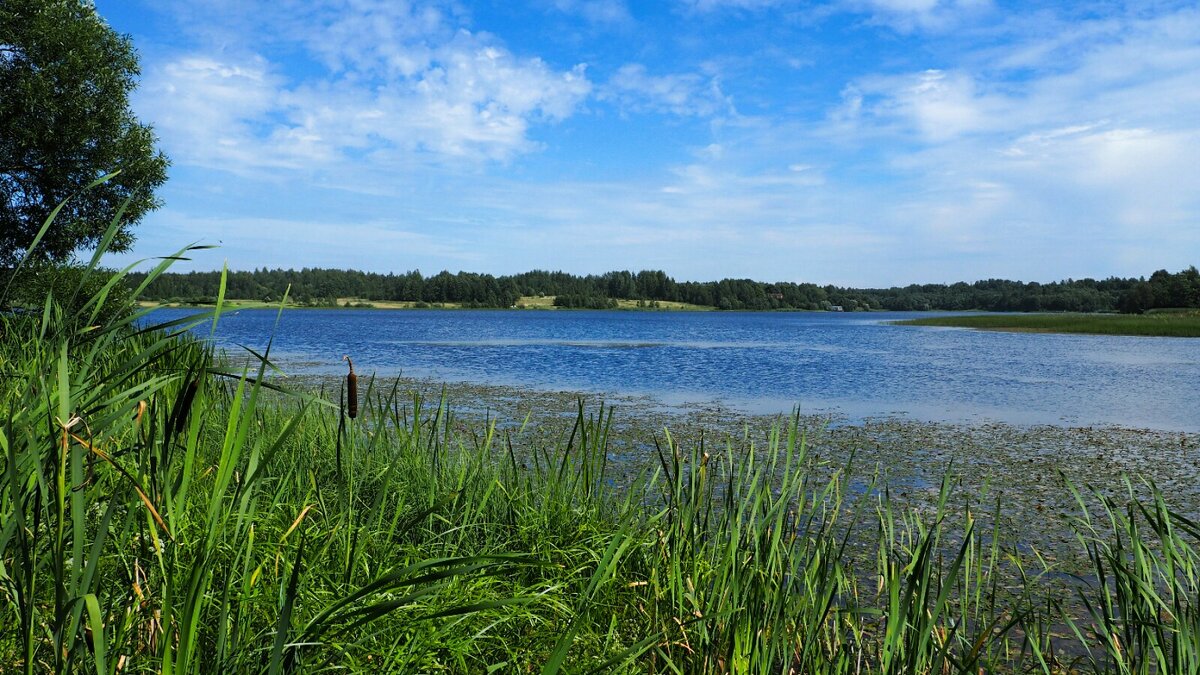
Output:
x=853 y=364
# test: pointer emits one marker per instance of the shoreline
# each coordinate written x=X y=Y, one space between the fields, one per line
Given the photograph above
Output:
x=1028 y=470
x=673 y=405
x=1137 y=449
x=1186 y=325
x=524 y=304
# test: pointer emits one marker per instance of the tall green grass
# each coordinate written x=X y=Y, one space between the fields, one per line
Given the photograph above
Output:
x=162 y=512
x=1183 y=324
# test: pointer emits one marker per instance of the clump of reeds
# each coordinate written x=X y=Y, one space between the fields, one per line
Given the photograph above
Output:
x=1143 y=594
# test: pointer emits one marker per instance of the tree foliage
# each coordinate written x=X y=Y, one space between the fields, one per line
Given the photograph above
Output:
x=1163 y=290
x=484 y=290
x=65 y=80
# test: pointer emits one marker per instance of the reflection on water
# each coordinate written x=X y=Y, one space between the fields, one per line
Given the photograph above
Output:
x=857 y=365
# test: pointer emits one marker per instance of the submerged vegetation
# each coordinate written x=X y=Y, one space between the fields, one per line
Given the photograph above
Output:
x=161 y=510
x=1164 y=324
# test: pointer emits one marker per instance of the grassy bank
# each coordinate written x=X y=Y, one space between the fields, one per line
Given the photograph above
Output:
x=1162 y=324
x=161 y=513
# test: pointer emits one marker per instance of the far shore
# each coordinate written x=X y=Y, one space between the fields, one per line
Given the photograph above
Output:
x=526 y=302
x=1156 y=323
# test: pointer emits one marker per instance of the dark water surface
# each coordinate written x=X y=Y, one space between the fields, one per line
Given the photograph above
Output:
x=854 y=364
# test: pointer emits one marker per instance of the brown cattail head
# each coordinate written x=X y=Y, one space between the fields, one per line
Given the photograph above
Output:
x=185 y=403
x=351 y=389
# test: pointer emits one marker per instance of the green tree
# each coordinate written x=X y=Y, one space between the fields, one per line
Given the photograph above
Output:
x=65 y=79
x=1137 y=299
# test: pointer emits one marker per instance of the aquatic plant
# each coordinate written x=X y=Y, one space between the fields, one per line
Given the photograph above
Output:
x=1163 y=324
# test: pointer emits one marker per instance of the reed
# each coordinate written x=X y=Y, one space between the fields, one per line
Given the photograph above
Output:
x=1158 y=324
x=351 y=389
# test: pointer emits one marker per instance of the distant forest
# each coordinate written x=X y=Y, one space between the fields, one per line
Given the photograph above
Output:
x=323 y=286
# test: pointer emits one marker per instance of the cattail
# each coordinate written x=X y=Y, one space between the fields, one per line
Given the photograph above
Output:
x=351 y=390
x=184 y=405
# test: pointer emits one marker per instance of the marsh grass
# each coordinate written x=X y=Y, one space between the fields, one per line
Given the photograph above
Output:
x=164 y=512
x=1162 y=324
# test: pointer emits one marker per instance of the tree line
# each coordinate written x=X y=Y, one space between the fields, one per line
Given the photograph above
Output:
x=323 y=286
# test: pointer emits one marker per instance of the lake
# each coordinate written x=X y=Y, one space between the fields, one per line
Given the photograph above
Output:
x=853 y=365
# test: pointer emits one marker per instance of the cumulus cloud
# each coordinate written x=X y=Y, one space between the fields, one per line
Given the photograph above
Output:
x=397 y=78
x=1055 y=149
x=1066 y=149
x=686 y=94
x=1137 y=179
x=938 y=105
x=205 y=109
x=1060 y=165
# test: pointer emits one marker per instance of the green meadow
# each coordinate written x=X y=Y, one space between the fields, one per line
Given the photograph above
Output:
x=1158 y=323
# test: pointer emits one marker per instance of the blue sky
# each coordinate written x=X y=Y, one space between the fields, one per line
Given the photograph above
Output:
x=854 y=142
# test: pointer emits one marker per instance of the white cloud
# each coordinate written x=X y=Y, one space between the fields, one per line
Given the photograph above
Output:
x=906 y=15
x=1138 y=179
x=398 y=80
x=686 y=94
x=937 y=104
x=902 y=15
x=367 y=39
x=597 y=11
x=205 y=108
x=1144 y=79
x=1068 y=152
